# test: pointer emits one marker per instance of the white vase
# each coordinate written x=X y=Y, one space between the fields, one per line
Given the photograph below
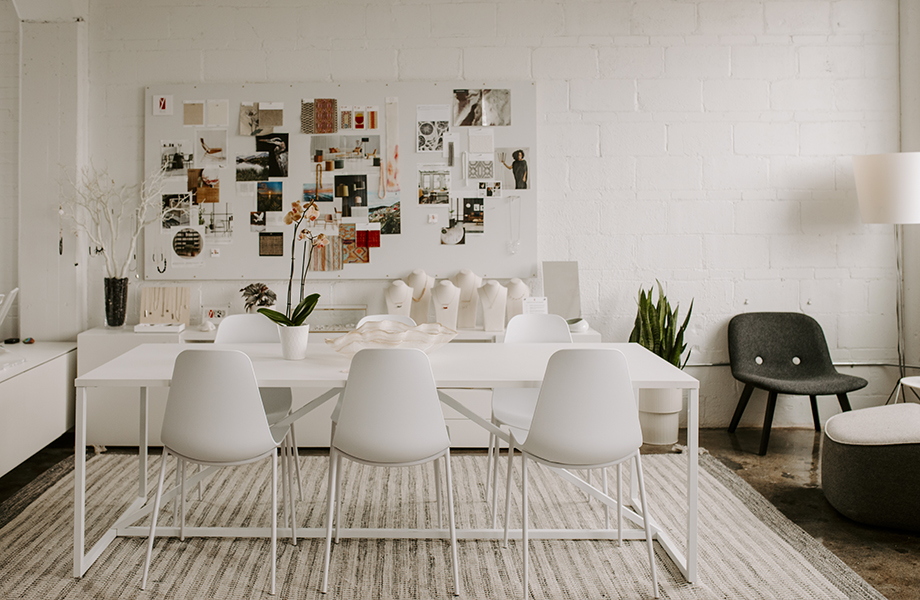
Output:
x=294 y=341
x=659 y=415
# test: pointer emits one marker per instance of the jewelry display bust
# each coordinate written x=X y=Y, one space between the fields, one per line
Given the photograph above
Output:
x=493 y=296
x=446 y=302
x=398 y=296
x=421 y=284
x=517 y=291
x=468 y=282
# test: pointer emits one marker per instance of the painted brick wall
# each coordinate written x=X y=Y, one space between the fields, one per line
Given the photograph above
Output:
x=9 y=163
x=702 y=143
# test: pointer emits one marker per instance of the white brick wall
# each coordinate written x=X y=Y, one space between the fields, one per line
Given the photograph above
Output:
x=704 y=143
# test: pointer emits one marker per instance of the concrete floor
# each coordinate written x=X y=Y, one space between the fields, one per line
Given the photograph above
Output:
x=788 y=477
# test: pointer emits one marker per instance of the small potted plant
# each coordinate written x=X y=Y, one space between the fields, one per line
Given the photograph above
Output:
x=657 y=329
x=258 y=295
x=293 y=331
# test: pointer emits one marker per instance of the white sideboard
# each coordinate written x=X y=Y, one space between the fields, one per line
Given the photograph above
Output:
x=36 y=399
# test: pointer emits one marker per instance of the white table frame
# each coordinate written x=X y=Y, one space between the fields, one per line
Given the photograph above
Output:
x=467 y=366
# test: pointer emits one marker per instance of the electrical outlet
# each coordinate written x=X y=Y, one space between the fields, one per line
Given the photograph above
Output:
x=214 y=313
x=432 y=218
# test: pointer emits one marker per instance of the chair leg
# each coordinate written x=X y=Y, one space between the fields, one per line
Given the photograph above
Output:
x=814 y=412
x=285 y=469
x=330 y=507
x=296 y=458
x=508 y=493
x=437 y=490
x=494 y=471
x=742 y=404
x=292 y=502
x=844 y=402
x=153 y=517
x=274 y=517
x=176 y=499
x=767 y=423
x=182 y=503
x=606 y=506
x=338 y=493
x=524 y=538
x=452 y=524
x=648 y=526
x=619 y=504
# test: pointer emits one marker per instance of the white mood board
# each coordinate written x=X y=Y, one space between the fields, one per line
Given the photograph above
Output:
x=453 y=211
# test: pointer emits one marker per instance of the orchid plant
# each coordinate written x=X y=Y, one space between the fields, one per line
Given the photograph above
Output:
x=298 y=214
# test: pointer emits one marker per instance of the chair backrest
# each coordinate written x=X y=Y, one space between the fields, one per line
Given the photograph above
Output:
x=390 y=411
x=214 y=411
x=398 y=318
x=247 y=328
x=537 y=328
x=586 y=412
x=778 y=345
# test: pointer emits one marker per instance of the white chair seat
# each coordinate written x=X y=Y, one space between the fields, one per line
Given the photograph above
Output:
x=514 y=406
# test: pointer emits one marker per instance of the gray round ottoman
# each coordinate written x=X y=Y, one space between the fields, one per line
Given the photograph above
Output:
x=870 y=465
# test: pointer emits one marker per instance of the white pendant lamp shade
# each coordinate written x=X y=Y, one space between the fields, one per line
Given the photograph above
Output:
x=888 y=187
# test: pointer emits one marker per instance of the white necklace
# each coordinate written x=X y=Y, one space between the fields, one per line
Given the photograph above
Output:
x=485 y=292
x=438 y=296
x=521 y=289
x=398 y=303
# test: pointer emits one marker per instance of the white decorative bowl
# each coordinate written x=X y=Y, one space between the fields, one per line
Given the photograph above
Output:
x=392 y=334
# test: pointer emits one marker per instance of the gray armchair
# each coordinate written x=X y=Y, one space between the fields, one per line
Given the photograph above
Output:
x=784 y=353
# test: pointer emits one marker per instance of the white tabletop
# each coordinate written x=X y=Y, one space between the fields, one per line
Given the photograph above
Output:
x=454 y=365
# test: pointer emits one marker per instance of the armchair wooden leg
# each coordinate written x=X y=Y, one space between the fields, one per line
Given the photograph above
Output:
x=767 y=423
x=814 y=412
x=742 y=404
x=844 y=402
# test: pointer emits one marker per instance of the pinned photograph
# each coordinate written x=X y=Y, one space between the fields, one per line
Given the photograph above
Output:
x=268 y=196
x=176 y=210
x=252 y=167
x=433 y=184
x=175 y=157
x=514 y=167
x=187 y=243
x=480 y=166
x=481 y=108
x=432 y=122
x=163 y=105
x=490 y=189
x=271 y=243
x=352 y=189
x=204 y=185
x=217 y=219
x=473 y=216
x=256 y=221
x=211 y=147
x=250 y=123
x=271 y=114
x=310 y=194
x=276 y=147
x=218 y=113
x=454 y=234
x=347 y=147
x=496 y=108
x=193 y=113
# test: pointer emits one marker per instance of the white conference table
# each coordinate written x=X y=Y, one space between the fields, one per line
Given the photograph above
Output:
x=456 y=365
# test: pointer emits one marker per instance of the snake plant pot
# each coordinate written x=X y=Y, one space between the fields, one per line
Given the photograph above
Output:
x=294 y=341
x=659 y=415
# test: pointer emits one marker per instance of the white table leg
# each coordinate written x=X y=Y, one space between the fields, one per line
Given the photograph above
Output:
x=79 y=486
x=142 y=442
x=693 y=444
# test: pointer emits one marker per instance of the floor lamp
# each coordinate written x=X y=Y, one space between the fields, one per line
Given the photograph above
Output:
x=888 y=188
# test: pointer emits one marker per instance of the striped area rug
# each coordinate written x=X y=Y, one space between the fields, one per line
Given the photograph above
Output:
x=747 y=548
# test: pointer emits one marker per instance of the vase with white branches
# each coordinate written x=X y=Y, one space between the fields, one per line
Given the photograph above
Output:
x=112 y=216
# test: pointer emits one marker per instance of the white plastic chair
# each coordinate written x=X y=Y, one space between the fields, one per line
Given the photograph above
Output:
x=513 y=407
x=259 y=329
x=390 y=416
x=398 y=318
x=214 y=417
x=586 y=417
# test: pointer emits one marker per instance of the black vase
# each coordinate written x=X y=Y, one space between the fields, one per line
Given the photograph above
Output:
x=116 y=301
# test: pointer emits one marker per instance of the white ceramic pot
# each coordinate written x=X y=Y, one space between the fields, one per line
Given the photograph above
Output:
x=659 y=415
x=294 y=341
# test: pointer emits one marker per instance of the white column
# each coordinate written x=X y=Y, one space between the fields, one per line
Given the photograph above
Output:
x=910 y=142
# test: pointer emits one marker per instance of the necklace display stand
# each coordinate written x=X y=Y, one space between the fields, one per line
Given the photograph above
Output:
x=398 y=296
x=468 y=282
x=421 y=284
x=517 y=291
x=493 y=296
x=446 y=303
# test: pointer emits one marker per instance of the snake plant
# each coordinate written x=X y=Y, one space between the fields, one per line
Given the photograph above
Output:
x=656 y=327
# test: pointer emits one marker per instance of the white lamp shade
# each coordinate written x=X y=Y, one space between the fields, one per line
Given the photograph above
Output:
x=888 y=187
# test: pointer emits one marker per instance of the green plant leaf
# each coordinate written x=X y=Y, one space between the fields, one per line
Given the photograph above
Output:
x=276 y=316
x=656 y=326
x=303 y=310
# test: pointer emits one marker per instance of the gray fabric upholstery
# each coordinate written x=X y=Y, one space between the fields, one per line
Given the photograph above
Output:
x=778 y=338
x=870 y=465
